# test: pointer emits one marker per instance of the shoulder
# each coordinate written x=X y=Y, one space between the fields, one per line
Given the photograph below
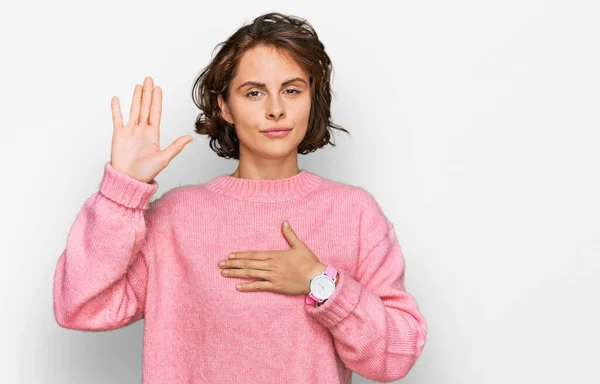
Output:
x=181 y=196
x=372 y=224
x=356 y=195
x=362 y=202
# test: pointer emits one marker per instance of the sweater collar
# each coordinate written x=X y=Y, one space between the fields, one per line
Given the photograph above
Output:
x=268 y=190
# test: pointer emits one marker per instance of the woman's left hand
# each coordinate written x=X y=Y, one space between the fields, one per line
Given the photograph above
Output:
x=288 y=271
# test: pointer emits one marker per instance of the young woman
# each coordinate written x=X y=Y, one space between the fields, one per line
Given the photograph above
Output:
x=271 y=274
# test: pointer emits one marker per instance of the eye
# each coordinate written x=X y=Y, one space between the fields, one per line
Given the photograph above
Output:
x=252 y=96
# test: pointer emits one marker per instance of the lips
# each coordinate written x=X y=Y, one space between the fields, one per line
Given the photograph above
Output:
x=277 y=129
x=275 y=133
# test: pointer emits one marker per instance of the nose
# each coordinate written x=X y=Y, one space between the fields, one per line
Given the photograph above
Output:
x=276 y=109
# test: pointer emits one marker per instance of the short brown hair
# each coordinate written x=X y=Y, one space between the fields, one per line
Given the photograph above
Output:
x=288 y=34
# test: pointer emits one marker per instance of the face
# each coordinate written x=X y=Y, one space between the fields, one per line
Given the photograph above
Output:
x=269 y=90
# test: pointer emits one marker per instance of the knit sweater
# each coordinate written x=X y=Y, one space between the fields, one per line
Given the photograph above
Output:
x=128 y=258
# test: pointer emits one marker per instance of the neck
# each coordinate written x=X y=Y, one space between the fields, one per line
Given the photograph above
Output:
x=262 y=175
x=259 y=168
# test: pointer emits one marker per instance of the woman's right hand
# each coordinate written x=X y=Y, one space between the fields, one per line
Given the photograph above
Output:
x=136 y=146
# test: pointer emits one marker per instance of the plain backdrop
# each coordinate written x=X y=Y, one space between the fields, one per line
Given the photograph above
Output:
x=475 y=124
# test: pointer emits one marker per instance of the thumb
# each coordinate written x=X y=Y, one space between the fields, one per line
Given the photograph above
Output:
x=291 y=237
x=176 y=147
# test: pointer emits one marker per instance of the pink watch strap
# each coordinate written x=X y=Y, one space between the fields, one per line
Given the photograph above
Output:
x=330 y=271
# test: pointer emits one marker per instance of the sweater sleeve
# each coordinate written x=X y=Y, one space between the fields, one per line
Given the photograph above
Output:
x=377 y=328
x=100 y=278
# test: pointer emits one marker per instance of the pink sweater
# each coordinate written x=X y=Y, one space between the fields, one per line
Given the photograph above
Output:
x=129 y=258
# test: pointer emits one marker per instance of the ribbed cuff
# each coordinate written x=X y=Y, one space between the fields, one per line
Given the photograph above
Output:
x=342 y=302
x=126 y=190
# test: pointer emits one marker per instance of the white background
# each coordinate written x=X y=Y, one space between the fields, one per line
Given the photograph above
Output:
x=474 y=123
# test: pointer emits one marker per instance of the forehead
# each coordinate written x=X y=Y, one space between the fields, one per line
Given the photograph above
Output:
x=266 y=64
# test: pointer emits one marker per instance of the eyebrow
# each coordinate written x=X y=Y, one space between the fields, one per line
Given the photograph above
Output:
x=264 y=86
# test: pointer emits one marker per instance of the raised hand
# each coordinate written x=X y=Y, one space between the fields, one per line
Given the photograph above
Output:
x=136 y=146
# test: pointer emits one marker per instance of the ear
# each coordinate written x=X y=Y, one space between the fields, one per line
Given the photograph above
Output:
x=225 y=113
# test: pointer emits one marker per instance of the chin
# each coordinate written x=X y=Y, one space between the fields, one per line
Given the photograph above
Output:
x=275 y=152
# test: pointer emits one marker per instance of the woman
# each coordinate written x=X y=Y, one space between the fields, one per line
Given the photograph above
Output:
x=228 y=291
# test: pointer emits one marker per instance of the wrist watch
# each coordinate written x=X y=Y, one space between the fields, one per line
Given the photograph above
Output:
x=322 y=286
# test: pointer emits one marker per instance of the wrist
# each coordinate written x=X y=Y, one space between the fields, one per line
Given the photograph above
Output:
x=317 y=270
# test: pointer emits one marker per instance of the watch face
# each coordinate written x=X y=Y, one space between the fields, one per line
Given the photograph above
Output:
x=322 y=287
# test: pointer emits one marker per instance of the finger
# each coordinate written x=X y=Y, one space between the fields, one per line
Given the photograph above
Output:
x=175 y=148
x=290 y=235
x=246 y=273
x=256 y=286
x=156 y=108
x=146 y=100
x=253 y=255
x=134 y=112
x=116 y=113
x=246 y=263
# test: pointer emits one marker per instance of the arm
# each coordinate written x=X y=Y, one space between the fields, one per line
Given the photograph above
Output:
x=377 y=328
x=100 y=278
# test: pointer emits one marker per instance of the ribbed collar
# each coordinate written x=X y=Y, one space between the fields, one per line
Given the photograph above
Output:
x=266 y=190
